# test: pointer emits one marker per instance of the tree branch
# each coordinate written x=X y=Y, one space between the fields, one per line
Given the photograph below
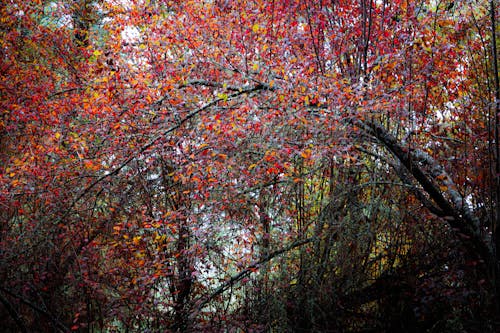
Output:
x=54 y=321
x=153 y=141
x=458 y=217
x=247 y=271
x=406 y=178
x=12 y=312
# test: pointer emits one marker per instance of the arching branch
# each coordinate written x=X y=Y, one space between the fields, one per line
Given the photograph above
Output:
x=247 y=271
x=458 y=214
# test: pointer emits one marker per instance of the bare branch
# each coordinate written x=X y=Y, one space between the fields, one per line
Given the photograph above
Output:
x=57 y=323
x=247 y=271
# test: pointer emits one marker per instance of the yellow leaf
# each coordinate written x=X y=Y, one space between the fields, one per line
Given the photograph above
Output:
x=58 y=135
x=222 y=96
x=136 y=240
x=255 y=28
x=306 y=153
x=255 y=66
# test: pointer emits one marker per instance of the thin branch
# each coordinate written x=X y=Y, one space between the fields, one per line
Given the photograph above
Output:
x=405 y=177
x=247 y=271
x=54 y=321
x=13 y=313
x=210 y=84
x=57 y=93
x=153 y=141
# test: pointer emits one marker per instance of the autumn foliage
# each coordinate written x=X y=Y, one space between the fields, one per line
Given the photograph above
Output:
x=249 y=166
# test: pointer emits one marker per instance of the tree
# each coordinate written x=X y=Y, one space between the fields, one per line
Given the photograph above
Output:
x=210 y=165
